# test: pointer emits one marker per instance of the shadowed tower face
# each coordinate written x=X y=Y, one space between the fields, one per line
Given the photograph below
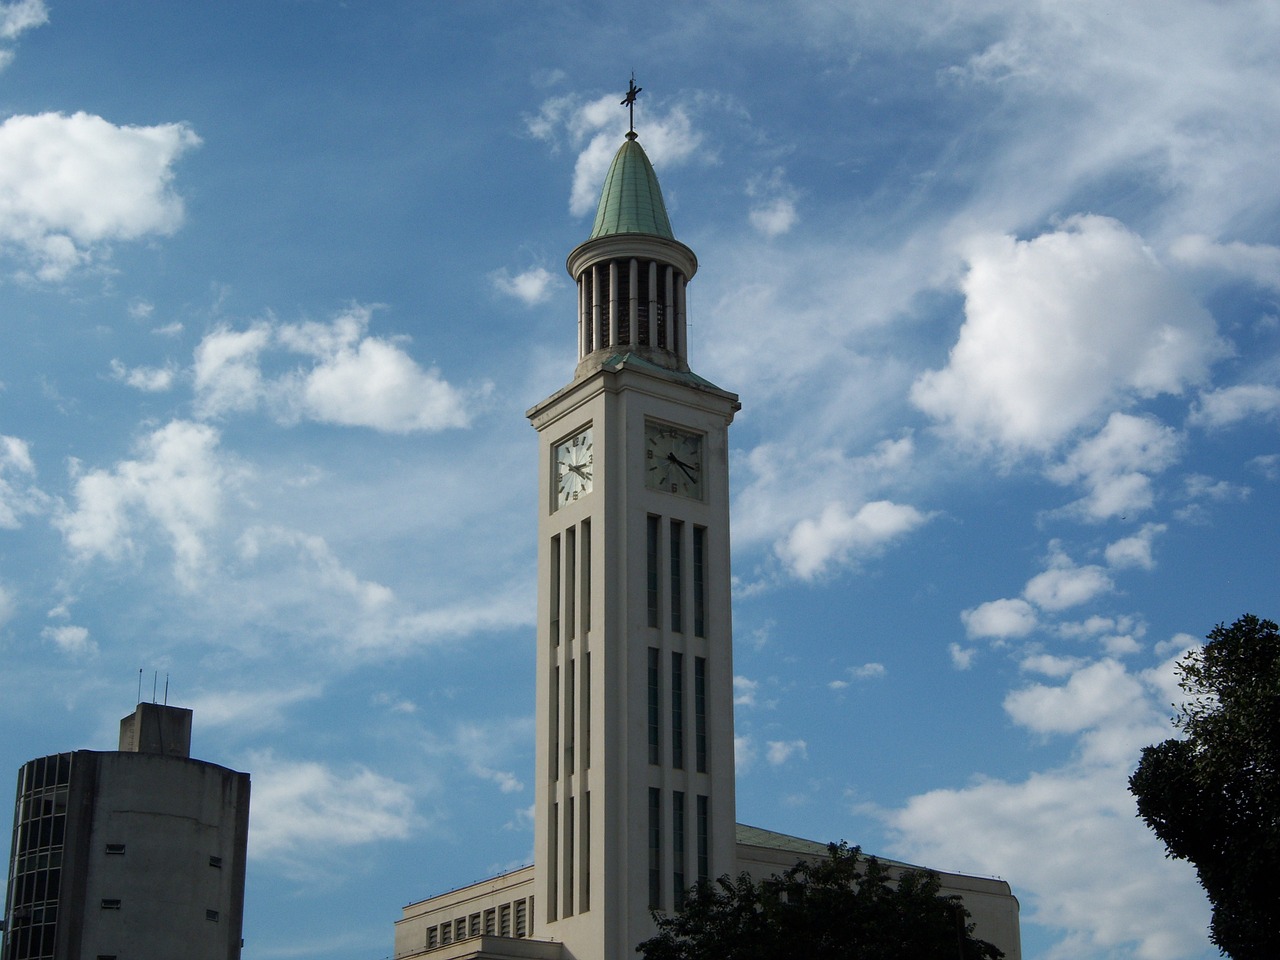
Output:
x=635 y=778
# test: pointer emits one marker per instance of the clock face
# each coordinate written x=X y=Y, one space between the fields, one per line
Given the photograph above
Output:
x=673 y=460
x=575 y=465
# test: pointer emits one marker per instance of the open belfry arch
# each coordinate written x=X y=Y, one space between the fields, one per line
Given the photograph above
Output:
x=634 y=754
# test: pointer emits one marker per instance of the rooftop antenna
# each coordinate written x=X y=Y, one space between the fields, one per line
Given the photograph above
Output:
x=155 y=678
x=166 y=689
x=139 y=700
x=630 y=103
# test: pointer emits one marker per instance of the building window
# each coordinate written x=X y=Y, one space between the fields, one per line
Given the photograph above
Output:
x=655 y=848
x=555 y=590
x=521 y=919
x=677 y=548
x=699 y=581
x=586 y=576
x=584 y=712
x=460 y=928
x=655 y=696
x=584 y=855
x=555 y=724
x=652 y=569
x=704 y=840
x=490 y=922
x=215 y=862
x=567 y=887
x=570 y=721
x=700 y=712
x=433 y=938
x=553 y=867
x=446 y=933
x=211 y=915
x=570 y=580
x=473 y=922
x=115 y=848
x=677 y=710
x=504 y=920
x=677 y=848
x=110 y=904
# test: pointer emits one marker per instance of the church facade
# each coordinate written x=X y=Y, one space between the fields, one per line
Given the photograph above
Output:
x=635 y=769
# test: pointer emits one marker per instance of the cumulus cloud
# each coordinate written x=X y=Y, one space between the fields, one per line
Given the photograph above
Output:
x=1134 y=551
x=1116 y=463
x=302 y=806
x=146 y=379
x=21 y=15
x=354 y=379
x=71 y=640
x=744 y=692
x=868 y=671
x=1058 y=830
x=595 y=128
x=18 y=494
x=1064 y=584
x=1221 y=408
x=837 y=536
x=780 y=751
x=1059 y=327
x=71 y=185
x=773 y=204
x=176 y=484
x=531 y=287
x=961 y=657
x=1257 y=262
x=1000 y=619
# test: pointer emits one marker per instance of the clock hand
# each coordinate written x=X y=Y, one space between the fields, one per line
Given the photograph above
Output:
x=683 y=466
x=579 y=471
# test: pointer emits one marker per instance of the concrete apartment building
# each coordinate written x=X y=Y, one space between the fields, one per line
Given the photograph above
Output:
x=136 y=854
x=635 y=767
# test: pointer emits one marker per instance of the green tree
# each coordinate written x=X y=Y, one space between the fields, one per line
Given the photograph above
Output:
x=846 y=907
x=1213 y=796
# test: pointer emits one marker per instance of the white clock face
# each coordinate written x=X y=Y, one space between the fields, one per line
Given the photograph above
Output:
x=575 y=466
x=673 y=460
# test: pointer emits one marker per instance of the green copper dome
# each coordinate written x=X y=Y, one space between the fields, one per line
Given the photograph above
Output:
x=631 y=201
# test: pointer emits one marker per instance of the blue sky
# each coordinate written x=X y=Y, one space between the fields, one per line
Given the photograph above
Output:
x=996 y=281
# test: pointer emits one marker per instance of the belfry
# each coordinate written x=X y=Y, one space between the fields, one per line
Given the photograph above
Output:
x=634 y=754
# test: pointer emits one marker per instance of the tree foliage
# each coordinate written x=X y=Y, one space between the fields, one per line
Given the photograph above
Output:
x=844 y=908
x=1213 y=796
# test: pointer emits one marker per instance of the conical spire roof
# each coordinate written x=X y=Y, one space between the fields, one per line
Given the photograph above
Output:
x=631 y=201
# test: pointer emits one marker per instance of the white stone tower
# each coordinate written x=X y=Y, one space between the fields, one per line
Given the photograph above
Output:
x=635 y=776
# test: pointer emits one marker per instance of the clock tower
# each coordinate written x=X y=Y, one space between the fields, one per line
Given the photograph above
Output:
x=635 y=773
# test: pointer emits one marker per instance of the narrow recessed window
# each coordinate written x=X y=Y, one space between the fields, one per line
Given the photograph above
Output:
x=490 y=922
x=699 y=581
x=704 y=839
x=460 y=928
x=677 y=548
x=473 y=922
x=110 y=904
x=567 y=887
x=677 y=848
x=555 y=724
x=570 y=580
x=570 y=721
x=655 y=694
x=677 y=710
x=115 y=848
x=504 y=920
x=584 y=855
x=211 y=915
x=555 y=590
x=446 y=933
x=655 y=848
x=433 y=937
x=652 y=569
x=521 y=918
x=585 y=599
x=106 y=956
x=553 y=872
x=584 y=711
x=215 y=862
x=700 y=712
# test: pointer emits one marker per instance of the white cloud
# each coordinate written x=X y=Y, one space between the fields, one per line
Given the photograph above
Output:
x=1000 y=618
x=249 y=710
x=146 y=379
x=355 y=379
x=1059 y=327
x=1257 y=262
x=1114 y=465
x=69 y=185
x=18 y=495
x=304 y=806
x=838 y=536
x=868 y=671
x=780 y=751
x=21 y=15
x=531 y=287
x=1134 y=551
x=8 y=607
x=177 y=483
x=668 y=139
x=1220 y=408
x=773 y=207
x=1066 y=585
x=1050 y=665
x=961 y=657
x=744 y=692
x=71 y=640
x=1094 y=694
x=744 y=754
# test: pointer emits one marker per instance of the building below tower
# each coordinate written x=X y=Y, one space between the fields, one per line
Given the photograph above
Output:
x=136 y=854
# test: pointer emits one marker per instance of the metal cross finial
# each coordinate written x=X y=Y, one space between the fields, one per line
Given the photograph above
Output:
x=630 y=102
